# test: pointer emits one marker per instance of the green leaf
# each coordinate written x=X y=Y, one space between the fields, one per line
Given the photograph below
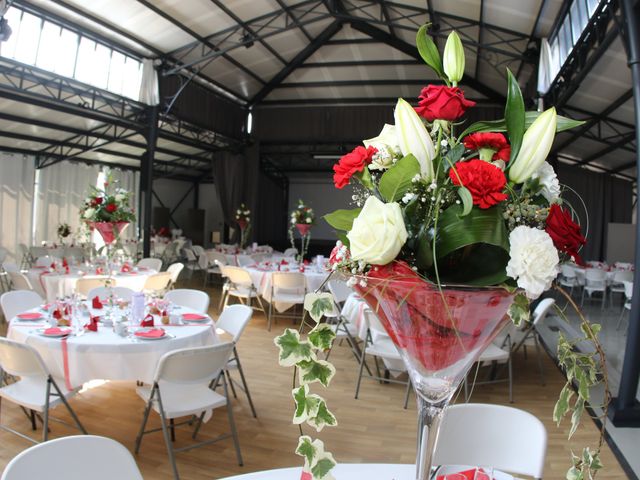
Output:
x=429 y=51
x=467 y=201
x=317 y=304
x=519 y=309
x=424 y=250
x=292 y=350
x=574 y=474
x=583 y=384
x=316 y=461
x=514 y=115
x=313 y=370
x=396 y=181
x=342 y=219
x=562 y=123
x=453 y=156
x=306 y=405
x=306 y=449
x=322 y=336
x=485 y=126
x=322 y=468
x=364 y=178
x=562 y=405
x=578 y=408
x=322 y=418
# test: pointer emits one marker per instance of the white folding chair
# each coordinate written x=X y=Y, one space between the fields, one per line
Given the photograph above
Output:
x=19 y=281
x=378 y=344
x=191 y=261
x=290 y=252
x=617 y=284
x=595 y=280
x=174 y=269
x=479 y=434
x=74 y=458
x=343 y=329
x=182 y=387
x=46 y=261
x=5 y=280
x=239 y=285
x=26 y=258
x=194 y=299
x=568 y=277
x=198 y=250
x=86 y=284
x=123 y=293
x=628 y=295
x=151 y=263
x=490 y=357
x=157 y=284
x=18 y=301
x=288 y=288
x=36 y=389
x=207 y=266
x=233 y=320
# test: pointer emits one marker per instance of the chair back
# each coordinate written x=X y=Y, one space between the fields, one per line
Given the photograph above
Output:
x=35 y=252
x=245 y=260
x=288 y=282
x=86 y=284
x=198 y=250
x=123 y=293
x=46 y=261
x=194 y=299
x=190 y=366
x=203 y=261
x=17 y=301
x=339 y=289
x=174 y=269
x=19 y=281
x=594 y=277
x=541 y=311
x=373 y=323
x=567 y=271
x=481 y=434
x=10 y=267
x=290 y=252
x=234 y=319
x=76 y=253
x=158 y=282
x=622 y=276
x=74 y=458
x=21 y=360
x=152 y=263
x=214 y=256
x=236 y=275
x=191 y=257
x=628 y=290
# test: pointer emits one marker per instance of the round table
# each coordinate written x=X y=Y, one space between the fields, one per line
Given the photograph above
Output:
x=52 y=285
x=106 y=355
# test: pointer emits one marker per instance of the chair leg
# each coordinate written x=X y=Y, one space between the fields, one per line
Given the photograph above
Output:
x=539 y=355
x=233 y=389
x=244 y=383
x=45 y=425
x=173 y=429
x=510 y=368
x=198 y=425
x=232 y=423
x=167 y=439
x=360 y=372
x=582 y=297
x=620 y=318
x=406 y=394
x=71 y=412
x=269 y=316
x=32 y=415
x=145 y=418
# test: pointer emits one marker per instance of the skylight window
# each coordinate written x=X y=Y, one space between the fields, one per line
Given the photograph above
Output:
x=49 y=46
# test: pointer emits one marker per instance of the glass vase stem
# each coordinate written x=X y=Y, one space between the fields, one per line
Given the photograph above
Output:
x=429 y=419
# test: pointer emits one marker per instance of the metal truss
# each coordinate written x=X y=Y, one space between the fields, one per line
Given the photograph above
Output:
x=274 y=173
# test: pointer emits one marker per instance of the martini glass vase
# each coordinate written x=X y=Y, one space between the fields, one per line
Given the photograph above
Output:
x=440 y=332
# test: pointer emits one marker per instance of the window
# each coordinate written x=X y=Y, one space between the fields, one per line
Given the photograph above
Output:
x=55 y=48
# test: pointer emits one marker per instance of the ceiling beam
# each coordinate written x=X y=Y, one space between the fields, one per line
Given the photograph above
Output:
x=295 y=20
x=605 y=151
x=479 y=50
x=298 y=60
x=412 y=51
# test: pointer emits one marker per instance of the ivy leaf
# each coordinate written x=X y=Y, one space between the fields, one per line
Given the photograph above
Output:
x=578 y=408
x=306 y=405
x=519 y=309
x=316 y=461
x=322 y=418
x=321 y=469
x=467 y=200
x=342 y=219
x=292 y=350
x=306 y=449
x=313 y=370
x=429 y=51
x=562 y=405
x=317 y=304
x=583 y=383
x=396 y=181
x=322 y=336
x=574 y=474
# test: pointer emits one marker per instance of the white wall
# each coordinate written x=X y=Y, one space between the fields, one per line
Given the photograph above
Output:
x=319 y=193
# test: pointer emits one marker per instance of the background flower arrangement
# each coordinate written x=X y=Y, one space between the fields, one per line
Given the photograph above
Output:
x=107 y=204
x=63 y=230
x=302 y=219
x=243 y=219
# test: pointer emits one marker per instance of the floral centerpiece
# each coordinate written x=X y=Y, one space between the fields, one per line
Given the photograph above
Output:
x=63 y=231
x=302 y=219
x=452 y=229
x=243 y=219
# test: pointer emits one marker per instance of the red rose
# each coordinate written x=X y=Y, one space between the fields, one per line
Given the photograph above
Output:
x=564 y=232
x=484 y=180
x=96 y=201
x=111 y=207
x=444 y=103
x=491 y=140
x=351 y=163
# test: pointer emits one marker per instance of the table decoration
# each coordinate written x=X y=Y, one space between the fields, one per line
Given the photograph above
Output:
x=453 y=234
x=63 y=231
x=302 y=219
x=243 y=219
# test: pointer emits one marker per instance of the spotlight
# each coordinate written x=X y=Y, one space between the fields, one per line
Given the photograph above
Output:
x=247 y=40
x=5 y=30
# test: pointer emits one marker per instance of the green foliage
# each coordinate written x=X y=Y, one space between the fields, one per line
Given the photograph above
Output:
x=314 y=370
x=292 y=349
x=396 y=181
x=429 y=51
x=453 y=156
x=322 y=336
x=519 y=309
x=586 y=466
x=316 y=461
x=514 y=115
x=562 y=124
x=317 y=304
x=467 y=201
x=342 y=219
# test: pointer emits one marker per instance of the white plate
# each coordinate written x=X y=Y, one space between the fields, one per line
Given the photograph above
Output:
x=194 y=320
x=150 y=338
x=55 y=335
x=35 y=319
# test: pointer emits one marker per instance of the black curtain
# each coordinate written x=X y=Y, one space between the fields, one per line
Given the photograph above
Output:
x=606 y=200
x=271 y=213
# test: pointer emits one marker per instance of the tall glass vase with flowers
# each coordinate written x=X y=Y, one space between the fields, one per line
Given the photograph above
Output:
x=243 y=219
x=302 y=219
x=452 y=235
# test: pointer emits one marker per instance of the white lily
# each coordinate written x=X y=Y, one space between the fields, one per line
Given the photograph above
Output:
x=535 y=148
x=387 y=138
x=414 y=138
x=453 y=58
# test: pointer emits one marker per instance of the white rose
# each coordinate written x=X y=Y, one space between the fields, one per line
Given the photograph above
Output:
x=120 y=197
x=308 y=220
x=293 y=220
x=88 y=213
x=534 y=260
x=378 y=233
x=548 y=181
x=248 y=220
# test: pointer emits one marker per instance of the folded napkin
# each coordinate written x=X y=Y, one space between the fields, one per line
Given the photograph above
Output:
x=469 y=475
x=96 y=303
x=29 y=316
x=193 y=316
x=93 y=323
x=57 y=314
x=53 y=265
x=301 y=268
x=306 y=262
x=153 y=333
x=147 y=322
x=64 y=262
x=284 y=262
x=125 y=268
x=99 y=271
x=57 y=331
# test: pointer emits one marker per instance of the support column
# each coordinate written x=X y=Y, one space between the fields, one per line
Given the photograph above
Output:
x=146 y=178
x=625 y=411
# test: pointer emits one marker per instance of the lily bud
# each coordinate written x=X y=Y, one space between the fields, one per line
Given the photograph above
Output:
x=414 y=138
x=535 y=148
x=453 y=59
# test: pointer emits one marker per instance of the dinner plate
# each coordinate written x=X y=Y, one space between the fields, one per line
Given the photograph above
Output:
x=189 y=317
x=142 y=337
x=30 y=316
x=61 y=333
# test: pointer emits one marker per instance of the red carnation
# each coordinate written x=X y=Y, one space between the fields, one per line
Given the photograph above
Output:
x=564 y=232
x=484 y=180
x=489 y=140
x=111 y=207
x=96 y=201
x=351 y=163
x=444 y=103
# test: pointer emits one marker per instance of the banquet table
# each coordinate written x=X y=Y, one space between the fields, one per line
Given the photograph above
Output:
x=52 y=285
x=104 y=354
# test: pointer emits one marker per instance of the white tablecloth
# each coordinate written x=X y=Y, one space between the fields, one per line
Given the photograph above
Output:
x=52 y=285
x=105 y=355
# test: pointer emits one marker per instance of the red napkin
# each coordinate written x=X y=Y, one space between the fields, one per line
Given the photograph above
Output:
x=93 y=324
x=306 y=262
x=57 y=331
x=29 y=316
x=193 y=316
x=147 y=322
x=96 y=303
x=57 y=314
x=64 y=262
x=469 y=474
x=53 y=265
x=99 y=271
x=154 y=333
x=125 y=268
x=302 y=268
x=284 y=262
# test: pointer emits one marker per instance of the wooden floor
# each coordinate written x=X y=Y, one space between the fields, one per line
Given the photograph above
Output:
x=374 y=428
